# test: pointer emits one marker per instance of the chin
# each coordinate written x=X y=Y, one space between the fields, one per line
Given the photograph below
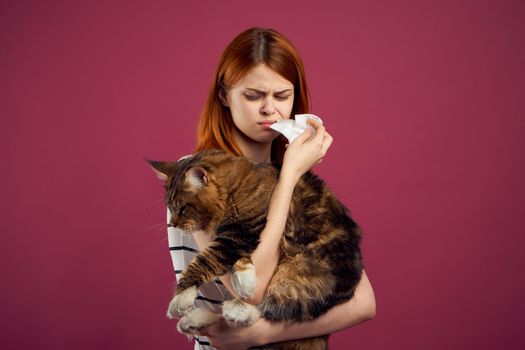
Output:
x=268 y=139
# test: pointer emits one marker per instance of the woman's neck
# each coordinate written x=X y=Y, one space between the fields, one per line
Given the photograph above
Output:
x=258 y=152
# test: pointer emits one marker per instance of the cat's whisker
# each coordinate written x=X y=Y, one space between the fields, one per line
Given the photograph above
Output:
x=154 y=196
x=158 y=226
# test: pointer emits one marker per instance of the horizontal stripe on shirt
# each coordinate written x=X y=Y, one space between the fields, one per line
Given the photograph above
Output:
x=202 y=342
x=209 y=300
x=184 y=248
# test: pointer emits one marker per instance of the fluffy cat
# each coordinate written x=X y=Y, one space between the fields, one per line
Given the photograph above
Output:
x=228 y=197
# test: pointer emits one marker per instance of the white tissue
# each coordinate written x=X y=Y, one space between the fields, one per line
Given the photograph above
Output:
x=292 y=128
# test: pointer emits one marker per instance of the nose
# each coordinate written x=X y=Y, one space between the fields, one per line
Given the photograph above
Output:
x=268 y=107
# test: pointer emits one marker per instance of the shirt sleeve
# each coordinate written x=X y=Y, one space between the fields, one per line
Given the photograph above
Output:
x=182 y=245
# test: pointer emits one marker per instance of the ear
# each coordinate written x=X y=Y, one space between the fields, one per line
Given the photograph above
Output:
x=197 y=177
x=162 y=169
x=223 y=97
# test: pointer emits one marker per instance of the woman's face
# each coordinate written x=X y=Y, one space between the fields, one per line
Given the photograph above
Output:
x=259 y=99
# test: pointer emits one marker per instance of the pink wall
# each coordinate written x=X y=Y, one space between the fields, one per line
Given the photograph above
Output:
x=425 y=103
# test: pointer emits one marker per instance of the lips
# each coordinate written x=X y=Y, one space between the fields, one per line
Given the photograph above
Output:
x=267 y=122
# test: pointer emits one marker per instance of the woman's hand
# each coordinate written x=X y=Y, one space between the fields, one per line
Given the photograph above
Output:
x=223 y=337
x=305 y=152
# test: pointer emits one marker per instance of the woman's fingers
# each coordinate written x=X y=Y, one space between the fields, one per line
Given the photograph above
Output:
x=319 y=132
x=212 y=329
x=303 y=137
x=307 y=150
x=322 y=138
x=327 y=142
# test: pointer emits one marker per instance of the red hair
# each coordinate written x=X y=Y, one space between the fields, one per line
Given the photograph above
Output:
x=250 y=48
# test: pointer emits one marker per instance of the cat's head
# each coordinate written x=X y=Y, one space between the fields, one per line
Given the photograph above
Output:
x=195 y=194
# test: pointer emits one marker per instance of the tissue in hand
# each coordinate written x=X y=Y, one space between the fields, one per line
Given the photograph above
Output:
x=293 y=128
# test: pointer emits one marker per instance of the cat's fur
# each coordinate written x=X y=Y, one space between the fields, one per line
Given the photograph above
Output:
x=227 y=196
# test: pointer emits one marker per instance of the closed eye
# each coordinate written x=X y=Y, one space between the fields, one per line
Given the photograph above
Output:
x=256 y=97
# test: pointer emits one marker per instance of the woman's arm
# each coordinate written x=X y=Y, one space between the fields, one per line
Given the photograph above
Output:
x=360 y=308
x=266 y=255
x=300 y=156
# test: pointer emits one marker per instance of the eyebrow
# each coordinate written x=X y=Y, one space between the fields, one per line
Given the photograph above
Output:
x=264 y=92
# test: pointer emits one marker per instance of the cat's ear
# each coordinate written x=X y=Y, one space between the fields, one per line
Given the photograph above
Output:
x=162 y=169
x=197 y=177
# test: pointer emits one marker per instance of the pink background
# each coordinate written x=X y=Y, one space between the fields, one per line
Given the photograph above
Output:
x=425 y=103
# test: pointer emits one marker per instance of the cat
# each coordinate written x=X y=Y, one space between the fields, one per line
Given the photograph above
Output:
x=228 y=196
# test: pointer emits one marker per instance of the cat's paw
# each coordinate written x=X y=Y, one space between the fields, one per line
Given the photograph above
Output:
x=182 y=303
x=196 y=320
x=240 y=314
x=245 y=281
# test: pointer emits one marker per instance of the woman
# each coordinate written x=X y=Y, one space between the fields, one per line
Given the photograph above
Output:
x=260 y=80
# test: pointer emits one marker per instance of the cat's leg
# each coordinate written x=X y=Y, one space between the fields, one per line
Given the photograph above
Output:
x=182 y=303
x=214 y=261
x=203 y=268
x=244 y=279
x=206 y=266
x=196 y=320
x=239 y=313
